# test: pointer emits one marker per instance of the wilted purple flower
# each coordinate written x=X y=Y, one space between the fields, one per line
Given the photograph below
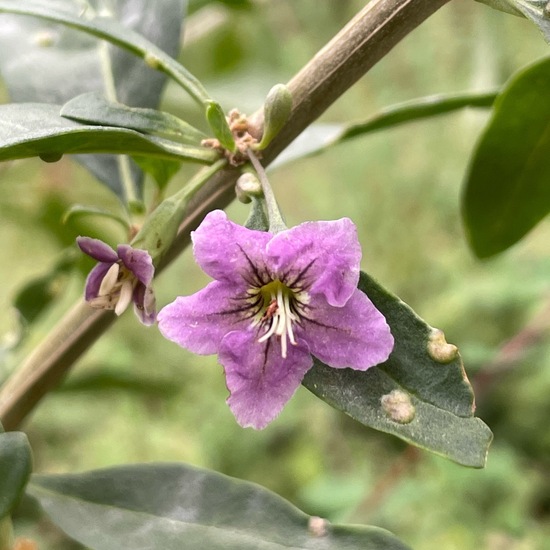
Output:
x=120 y=278
x=277 y=300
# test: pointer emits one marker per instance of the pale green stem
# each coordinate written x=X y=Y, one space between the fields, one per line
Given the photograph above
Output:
x=276 y=222
x=45 y=366
x=43 y=369
x=6 y=533
x=197 y=182
x=110 y=91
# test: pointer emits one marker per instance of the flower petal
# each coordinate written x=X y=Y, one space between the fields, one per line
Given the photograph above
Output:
x=94 y=280
x=138 y=261
x=355 y=335
x=229 y=252
x=97 y=249
x=110 y=280
x=259 y=379
x=323 y=257
x=145 y=304
x=200 y=321
x=125 y=297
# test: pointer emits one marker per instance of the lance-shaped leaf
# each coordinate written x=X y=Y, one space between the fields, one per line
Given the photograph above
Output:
x=15 y=469
x=219 y=126
x=320 y=137
x=420 y=394
x=117 y=34
x=173 y=506
x=34 y=129
x=56 y=63
x=507 y=189
x=92 y=107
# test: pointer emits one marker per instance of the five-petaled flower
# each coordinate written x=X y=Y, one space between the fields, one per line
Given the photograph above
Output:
x=120 y=278
x=276 y=300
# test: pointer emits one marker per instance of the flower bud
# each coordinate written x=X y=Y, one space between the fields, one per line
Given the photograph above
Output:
x=277 y=108
x=248 y=186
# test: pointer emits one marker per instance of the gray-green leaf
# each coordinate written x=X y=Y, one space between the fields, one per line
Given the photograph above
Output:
x=93 y=108
x=56 y=63
x=34 y=129
x=116 y=33
x=320 y=137
x=174 y=506
x=15 y=469
x=219 y=126
x=507 y=190
x=420 y=394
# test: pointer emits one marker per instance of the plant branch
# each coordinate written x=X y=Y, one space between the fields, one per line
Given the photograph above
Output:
x=75 y=333
x=370 y=35
x=366 y=39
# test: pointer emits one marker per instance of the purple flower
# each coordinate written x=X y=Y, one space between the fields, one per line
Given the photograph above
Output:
x=120 y=278
x=277 y=300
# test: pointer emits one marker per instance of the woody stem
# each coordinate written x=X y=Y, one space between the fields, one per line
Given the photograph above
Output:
x=366 y=39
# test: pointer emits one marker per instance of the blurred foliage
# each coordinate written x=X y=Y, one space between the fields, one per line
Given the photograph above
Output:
x=402 y=188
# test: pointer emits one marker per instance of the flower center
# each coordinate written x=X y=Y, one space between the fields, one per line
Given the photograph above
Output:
x=116 y=289
x=278 y=313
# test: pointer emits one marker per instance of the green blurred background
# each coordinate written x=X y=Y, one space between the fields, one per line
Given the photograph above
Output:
x=136 y=397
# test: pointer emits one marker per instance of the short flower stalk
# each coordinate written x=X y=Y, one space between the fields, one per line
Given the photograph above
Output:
x=277 y=300
x=276 y=221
